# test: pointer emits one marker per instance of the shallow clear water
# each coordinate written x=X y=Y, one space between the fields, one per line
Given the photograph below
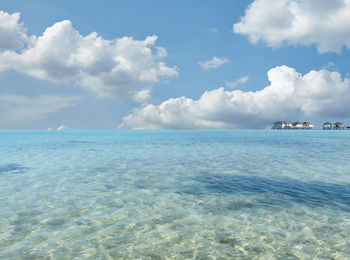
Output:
x=175 y=194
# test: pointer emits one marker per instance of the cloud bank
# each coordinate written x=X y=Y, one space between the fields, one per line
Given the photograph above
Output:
x=110 y=68
x=17 y=109
x=325 y=23
x=213 y=63
x=290 y=96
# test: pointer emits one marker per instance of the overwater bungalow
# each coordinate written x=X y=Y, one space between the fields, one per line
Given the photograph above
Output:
x=304 y=125
x=338 y=126
x=307 y=125
x=297 y=125
x=327 y=126
x=281 y=125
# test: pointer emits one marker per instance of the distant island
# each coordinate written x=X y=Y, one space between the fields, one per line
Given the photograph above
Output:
x=283 y=125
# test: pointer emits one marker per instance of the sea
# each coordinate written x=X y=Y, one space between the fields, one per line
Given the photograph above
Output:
x=167 y=194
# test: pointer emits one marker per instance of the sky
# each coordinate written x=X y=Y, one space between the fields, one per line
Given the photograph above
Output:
x=173 y=64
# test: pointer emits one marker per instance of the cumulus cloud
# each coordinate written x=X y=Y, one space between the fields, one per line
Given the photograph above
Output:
x=299 y=22
x=13 y=35
x=241 y=80
x=17 y=109
x=213 y=63
x=110 y=68
x=290 y=96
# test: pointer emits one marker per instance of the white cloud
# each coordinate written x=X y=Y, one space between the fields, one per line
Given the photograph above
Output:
x=110 y=68
x=16 y=110
x=142 y=96
x=325 y=23
x=214 y=30
x=236 y=82
x=213 y=63
x=62 y=127
x=290 y=96
x=13 y=35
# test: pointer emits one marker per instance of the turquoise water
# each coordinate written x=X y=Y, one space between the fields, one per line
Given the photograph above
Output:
x=175 y=194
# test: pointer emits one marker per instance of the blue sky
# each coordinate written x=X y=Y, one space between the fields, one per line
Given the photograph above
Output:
x=213 y=75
